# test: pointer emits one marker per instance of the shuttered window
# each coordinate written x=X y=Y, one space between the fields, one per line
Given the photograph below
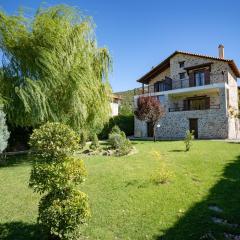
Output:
x=199 y=78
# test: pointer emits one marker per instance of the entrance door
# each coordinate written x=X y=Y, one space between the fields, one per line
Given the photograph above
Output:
x=193 y=126
x=150 y=129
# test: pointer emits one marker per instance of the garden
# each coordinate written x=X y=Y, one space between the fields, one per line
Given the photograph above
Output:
x=68 y=170
x=126 y=203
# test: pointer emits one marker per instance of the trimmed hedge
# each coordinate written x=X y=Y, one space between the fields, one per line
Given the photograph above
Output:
x=124 y=122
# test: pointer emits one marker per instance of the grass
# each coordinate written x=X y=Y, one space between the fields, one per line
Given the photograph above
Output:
x=125 y=204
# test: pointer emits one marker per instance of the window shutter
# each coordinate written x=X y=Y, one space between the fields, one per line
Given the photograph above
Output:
x=207 y=102
x=156 y=87
x=185 y=105
x=207 y=76
x=168 y=83
x=191 y=79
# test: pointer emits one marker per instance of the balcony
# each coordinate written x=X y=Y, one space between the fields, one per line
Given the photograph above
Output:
x=180 y=109
x=173 y=84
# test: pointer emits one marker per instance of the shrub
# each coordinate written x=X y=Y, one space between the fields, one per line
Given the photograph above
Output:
x=188 y=139
x=161 y=175
x=54 y=140
x=125 y=148
x=62 y=172
x=4 y=134
x=61 y=214
x=116 y=130
x=118 y=141
x=83 y=139
x=95 y=143
x=56 y=173
x=125 y=123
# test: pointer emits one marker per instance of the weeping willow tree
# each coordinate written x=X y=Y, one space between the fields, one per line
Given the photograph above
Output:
x=53 y=70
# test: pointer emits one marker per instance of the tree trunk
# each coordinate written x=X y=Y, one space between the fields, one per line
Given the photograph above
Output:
x=154 y=132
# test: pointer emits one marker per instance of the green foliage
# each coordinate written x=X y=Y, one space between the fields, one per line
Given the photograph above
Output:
x=56 y=173
x=116 y=130
x=54 y=140
x=95 y=143
x=117 y=179
x=126 y=107
x=63 y=172
x=61 y=213
x=83 y=139
x=118 y=141
x=188 y=139
x=124 y=148
x=124 y=122
x=162 y=174
x=4 y=133
x=68 y=80
x=116 y=138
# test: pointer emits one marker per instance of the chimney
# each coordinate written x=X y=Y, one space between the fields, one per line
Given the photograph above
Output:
x=221 y=51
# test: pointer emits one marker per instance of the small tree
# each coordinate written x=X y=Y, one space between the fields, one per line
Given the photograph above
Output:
x=56 y=174
x=149 y=109
x=83 y=139
x=118 y=141
x=188 y=140
x=95 y=143
x=4 y=134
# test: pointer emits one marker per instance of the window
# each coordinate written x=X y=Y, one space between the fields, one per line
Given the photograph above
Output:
x=162 y=86
x=182 y=75
x=161 y=99
x=181 y=64
x=197 y=104
x=199 y=78
x=200 y=103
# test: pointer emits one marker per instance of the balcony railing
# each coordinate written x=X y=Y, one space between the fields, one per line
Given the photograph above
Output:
x=179 y=83
x=180 y=109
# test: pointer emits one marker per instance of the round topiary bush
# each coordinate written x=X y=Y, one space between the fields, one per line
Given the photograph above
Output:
x=61 y=213
x=54 y=140
x=56 y=173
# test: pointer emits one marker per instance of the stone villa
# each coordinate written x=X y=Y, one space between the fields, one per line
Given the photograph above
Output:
x=198 y=93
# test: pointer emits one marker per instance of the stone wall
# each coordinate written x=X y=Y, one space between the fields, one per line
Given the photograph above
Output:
x=212 y=123
x=189 y=61
x=177 y=100
x=159 y=77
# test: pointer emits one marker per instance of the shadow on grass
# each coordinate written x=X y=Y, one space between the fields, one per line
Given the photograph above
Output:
x=20 y=231
x=15 y=160
x=177 y=150
x=197 y=222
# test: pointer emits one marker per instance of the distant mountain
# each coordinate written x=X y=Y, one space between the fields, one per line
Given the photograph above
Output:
x=126 y=107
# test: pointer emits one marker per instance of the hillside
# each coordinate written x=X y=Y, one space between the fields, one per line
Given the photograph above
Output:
x=126 y=107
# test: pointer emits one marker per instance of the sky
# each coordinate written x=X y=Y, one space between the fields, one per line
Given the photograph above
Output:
x=141 y=33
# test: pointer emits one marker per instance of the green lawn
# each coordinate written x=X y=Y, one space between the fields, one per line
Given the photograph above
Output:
x=126 y=205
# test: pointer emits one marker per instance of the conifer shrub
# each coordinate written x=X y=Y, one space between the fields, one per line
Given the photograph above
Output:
x=56 y=174
x=4 y=133
x=83 y=139
x=188 y=139
x=95 y=143
x=118 y=141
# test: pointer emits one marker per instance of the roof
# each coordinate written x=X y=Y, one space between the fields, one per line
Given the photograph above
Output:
x=166 y=63
x=114 y=96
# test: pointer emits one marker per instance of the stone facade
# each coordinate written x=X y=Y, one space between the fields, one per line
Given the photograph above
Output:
x=212 y=123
